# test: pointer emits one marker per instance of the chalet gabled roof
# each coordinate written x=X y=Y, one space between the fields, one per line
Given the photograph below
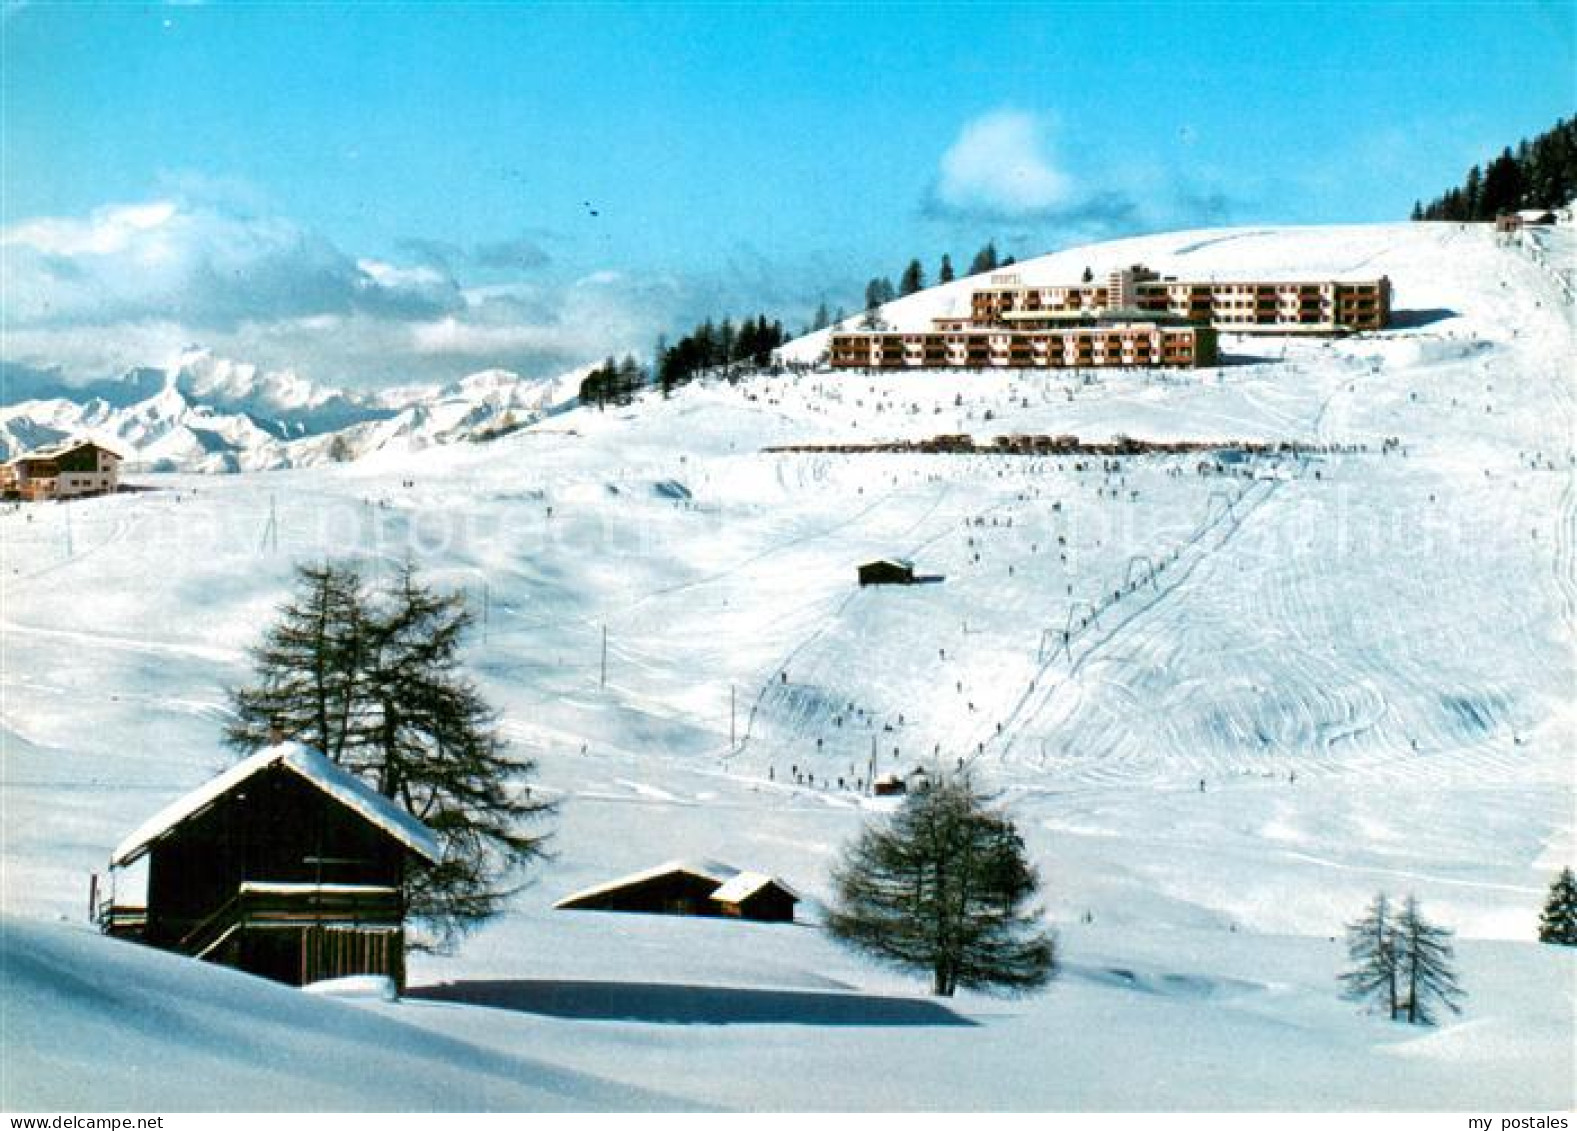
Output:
x=313 y=768
x=712 y=870
x=63 y=447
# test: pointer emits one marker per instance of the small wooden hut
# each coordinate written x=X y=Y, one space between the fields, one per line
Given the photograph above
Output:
x=285 y=866
x=755 y=895
x=887 y=571
x=691 y=887
x=890 y=785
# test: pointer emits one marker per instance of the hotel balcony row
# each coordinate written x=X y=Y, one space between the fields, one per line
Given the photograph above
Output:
x=1320 y=305
x=1130 y=347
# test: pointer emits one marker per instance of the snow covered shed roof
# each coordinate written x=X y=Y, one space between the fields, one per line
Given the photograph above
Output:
x=746 y=884
x=307 y=764
x=716 y=872
x=690 y=887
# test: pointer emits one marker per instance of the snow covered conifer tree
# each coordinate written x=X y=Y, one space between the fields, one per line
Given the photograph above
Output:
x=431 y=742
x=309 y=664
x=1403 y=962
x=1426 y=973
x=375 y=683
x=1372 y=946
x=1558 y=922
x=943 y=887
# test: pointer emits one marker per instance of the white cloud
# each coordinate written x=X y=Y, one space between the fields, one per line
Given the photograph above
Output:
x=1002 y=163
x=136 y=284
x=601 y=313
x=455 y=337
x=1002 y=173
x=202 y=267
x=106 y=230
x=393 y=275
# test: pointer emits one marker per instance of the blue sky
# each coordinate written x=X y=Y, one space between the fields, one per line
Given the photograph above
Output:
x=416 y=191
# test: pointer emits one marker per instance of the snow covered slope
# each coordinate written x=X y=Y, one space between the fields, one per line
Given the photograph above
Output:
x=210 y=414
x=1286 y=684
x=92 y=1023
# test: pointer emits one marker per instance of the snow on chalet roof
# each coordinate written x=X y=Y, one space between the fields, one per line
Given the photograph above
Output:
x=733 y=884
x=317 y=771
x=713 y=870
x=62 y=447
x=746 y=884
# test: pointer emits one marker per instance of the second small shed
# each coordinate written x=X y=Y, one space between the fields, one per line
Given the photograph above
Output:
x=691 y=887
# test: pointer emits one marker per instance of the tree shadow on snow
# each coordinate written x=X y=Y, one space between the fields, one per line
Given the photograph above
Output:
x=665 y=1004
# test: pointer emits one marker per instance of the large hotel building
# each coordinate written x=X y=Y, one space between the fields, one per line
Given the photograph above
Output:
x=1134 y=318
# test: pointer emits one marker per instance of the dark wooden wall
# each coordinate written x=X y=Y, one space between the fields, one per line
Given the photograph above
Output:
x=274 y=827
x=769 y=905
x=673 y=894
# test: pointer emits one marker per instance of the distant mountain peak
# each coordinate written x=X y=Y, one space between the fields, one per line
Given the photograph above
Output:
x=208 y=413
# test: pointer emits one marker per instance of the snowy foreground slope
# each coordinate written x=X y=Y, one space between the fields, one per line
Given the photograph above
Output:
x=93 y=1024
x=1366 y=657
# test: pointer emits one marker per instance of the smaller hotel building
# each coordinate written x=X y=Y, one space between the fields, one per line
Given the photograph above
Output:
x=1136 y=318
x=61 y=471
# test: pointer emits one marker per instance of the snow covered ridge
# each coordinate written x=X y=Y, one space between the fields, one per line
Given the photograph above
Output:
x=212 y=414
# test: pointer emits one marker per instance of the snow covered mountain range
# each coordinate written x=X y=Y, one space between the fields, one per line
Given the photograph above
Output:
x=211 y=414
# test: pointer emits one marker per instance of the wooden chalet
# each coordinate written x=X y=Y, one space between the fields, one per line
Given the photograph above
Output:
x=285 y=866
x=691 y=887
x=72 y=469
x=917 y=780
x=890 y=785
x=887 y=571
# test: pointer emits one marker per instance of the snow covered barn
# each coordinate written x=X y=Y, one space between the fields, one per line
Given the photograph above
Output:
x=285 y=866
x=691 y=887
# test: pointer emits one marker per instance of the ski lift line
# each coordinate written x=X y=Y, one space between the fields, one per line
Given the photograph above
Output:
x=1209 y=523
x=1565 y=539
x=1150 y=572
x=121 y=527
x=794 y=653
x=1044 y=688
